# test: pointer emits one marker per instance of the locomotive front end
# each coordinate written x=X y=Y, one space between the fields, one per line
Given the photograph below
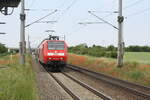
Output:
x=56 y=54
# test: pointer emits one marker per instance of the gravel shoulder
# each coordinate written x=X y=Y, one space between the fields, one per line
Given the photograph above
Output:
x=114 y=92
x=78 y=90
x=48 y=87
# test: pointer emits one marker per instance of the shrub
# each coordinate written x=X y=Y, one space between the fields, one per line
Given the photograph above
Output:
x=3 y=49
x=136 y=75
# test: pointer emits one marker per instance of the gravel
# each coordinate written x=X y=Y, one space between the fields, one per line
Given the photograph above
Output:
x=113 y=91
x=48 y=88
x=78 y=90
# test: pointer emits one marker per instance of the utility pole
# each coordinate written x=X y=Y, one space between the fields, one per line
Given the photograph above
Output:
x=120 y=37
x=22 y=34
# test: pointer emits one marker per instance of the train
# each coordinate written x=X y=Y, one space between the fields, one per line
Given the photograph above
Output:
x=52 y=53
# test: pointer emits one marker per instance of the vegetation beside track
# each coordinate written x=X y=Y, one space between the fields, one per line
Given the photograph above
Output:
x=17 y=82
x=3 y=49
x=140 y=57
x=131 y=71
x=101 y=51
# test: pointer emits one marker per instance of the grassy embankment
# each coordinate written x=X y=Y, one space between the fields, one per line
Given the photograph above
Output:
x=132 y=71
x=17 y=82
x=140 y=57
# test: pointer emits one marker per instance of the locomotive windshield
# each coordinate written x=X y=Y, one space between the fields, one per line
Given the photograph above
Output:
x=56 y=45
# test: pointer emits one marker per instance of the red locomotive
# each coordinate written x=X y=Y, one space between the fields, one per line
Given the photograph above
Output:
x=52 y=53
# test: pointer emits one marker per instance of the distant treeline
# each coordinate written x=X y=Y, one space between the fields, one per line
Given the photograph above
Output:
x=3 y=49
x=100 y=51
x=138 y=49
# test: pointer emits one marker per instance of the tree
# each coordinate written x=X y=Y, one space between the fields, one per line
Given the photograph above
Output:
x=3 y=49
x=111 y=48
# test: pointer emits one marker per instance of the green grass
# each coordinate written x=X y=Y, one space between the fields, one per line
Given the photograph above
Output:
x=17 y=82
x=3 y=55
x=131 y=71
x=140 y=57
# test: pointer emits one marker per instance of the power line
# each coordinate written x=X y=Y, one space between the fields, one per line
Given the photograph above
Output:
x=64 y=11
x=104 y=5
x=110 y=13
x=41 y=18
x=103 y=20
x=63 y=3
x=85 y=23
x=139 y=12
x=105 y=11
x=32 y=3
x=38 y=9
x=113 y=3
x=73 y=2
x=67 y=8
x=133 y=4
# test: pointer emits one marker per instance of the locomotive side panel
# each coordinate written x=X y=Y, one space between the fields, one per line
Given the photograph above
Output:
x=41 y=52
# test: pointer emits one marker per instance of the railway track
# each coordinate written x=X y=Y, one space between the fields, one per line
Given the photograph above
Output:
x=85 y=92
x=142 y=91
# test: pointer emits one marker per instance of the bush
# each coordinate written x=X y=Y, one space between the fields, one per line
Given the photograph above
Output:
x=136 y=75
x=3 y=49
x=113 y=54
x=96 y=51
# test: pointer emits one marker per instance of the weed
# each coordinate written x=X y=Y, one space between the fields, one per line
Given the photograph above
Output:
x=131 y=71
x=17 y=82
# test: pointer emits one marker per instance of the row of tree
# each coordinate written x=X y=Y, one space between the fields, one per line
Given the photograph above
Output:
x=97 y=51
x=3 y=49
x=100 y=51
x=138 y=48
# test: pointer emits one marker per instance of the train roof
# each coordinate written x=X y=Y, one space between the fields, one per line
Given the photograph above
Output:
x=51 y=38
x=45 y=40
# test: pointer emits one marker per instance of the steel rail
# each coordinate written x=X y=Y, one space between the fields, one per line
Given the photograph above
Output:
x=65 y=88
x=111 y=80
x=100 y=94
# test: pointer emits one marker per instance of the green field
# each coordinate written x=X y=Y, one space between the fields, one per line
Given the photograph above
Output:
x=17 y=82
x=140 y=57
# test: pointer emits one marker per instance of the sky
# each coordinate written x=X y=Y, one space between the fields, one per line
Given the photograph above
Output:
x=136 y=28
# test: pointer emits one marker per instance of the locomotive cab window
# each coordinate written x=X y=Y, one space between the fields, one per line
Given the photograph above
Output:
x=56 y=45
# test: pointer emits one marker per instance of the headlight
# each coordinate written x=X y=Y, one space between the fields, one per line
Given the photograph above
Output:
x=61 y=54
x=50 y=54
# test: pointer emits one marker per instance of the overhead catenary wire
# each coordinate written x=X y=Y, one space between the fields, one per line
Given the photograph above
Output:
x=64 y=11
x=85 y=23
x=38 y=9
x=62 y=4
x=31 y=5
x=42 y=18
x=110 y=12
x=104 y=5
x=105 y=11
x=73 y=2
x=139 y=12
x=133 y=4
x=103 y=20
x=67 y=9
